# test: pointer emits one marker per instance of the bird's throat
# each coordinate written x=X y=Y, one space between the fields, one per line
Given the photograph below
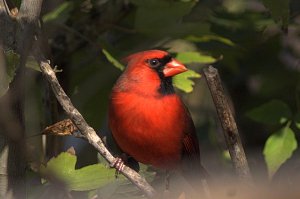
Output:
x=166 y=86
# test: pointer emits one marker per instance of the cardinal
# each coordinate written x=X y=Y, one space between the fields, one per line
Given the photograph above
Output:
x=148 y=120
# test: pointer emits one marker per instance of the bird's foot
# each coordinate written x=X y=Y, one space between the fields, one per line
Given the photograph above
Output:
x=118 y=164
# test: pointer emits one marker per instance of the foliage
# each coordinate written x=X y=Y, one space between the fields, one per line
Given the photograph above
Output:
x=273 y=112
x=7 y=74
x=112 y=60
x=60 y=14
x=280 y=146
x=279 y=10
x=62 y=168
x=254 y=45
x=183 y=81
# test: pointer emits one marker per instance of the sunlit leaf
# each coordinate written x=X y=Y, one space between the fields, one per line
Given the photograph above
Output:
x=280 y=10
x=32 y=63
x=112 y=60
x=60 y=14
x=278 y=148
x=183 y=81
x=194 y=57
x=273 y=112
x=86 y=178
x=207 y=38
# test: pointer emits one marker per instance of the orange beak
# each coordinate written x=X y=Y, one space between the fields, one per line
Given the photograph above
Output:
x=173 y=67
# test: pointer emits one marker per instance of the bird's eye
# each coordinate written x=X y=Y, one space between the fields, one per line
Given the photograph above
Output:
x=154 y=63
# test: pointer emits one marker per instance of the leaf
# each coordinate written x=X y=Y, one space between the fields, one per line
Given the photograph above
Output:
x=62 y=128
x=273 y=112
x=207 y=38
x=7 y=71
x=235 y=6
x=32 y=63
x=194 y=57
x=183 y=81
x=112 y=60
x=279 y=10
x=278 y=148
x=226 y=155
x=60 y=14
x=83 y=179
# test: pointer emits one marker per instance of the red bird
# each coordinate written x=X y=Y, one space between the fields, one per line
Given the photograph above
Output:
x=148 y=120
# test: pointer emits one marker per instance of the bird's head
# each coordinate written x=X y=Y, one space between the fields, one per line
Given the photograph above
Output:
x=150 y=72
x=158 y=61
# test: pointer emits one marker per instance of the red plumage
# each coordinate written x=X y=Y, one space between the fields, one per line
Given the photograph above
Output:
x=147 y=119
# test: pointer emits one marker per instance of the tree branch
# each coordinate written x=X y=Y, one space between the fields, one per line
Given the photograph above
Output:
x=88 y=132
x=229 y=126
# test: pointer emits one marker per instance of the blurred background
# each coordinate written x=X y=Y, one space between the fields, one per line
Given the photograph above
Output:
x=255 y=45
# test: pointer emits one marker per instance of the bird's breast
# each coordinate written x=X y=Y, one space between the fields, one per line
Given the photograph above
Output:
x=150 y=129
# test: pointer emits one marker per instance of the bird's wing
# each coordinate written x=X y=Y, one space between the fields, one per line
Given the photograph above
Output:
x=191 y=164
x=190 y=148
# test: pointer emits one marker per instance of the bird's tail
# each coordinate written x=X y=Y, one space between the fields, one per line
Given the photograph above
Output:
x=198 y=177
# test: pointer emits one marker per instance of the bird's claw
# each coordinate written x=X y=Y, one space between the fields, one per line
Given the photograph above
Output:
x=118 y=164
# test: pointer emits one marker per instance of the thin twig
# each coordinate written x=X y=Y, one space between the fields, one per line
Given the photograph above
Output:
x=7 y=8
x=229 y=126
x=88 y=132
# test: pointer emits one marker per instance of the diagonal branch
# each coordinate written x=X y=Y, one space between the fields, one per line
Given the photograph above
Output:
x=88 y=132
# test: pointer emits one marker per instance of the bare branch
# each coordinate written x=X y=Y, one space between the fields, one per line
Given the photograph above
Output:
x=88 y=132
x=229 y=126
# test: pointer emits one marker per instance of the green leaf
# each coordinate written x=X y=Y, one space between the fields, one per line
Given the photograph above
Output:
x=86 y=178
x=273 y=112
x=112 y=60
x=32 y=63
x=207 y=38
x=280 y=11
x=60 y=14
x=7 y=71
x=235 y=6
x=226 y=155
x=278 y=148
x=183 y=81
x=194 y=57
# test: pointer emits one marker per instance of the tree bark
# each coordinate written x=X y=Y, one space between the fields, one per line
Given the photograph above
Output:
x=228 y=123
x=16 y=34
x=12 y=131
